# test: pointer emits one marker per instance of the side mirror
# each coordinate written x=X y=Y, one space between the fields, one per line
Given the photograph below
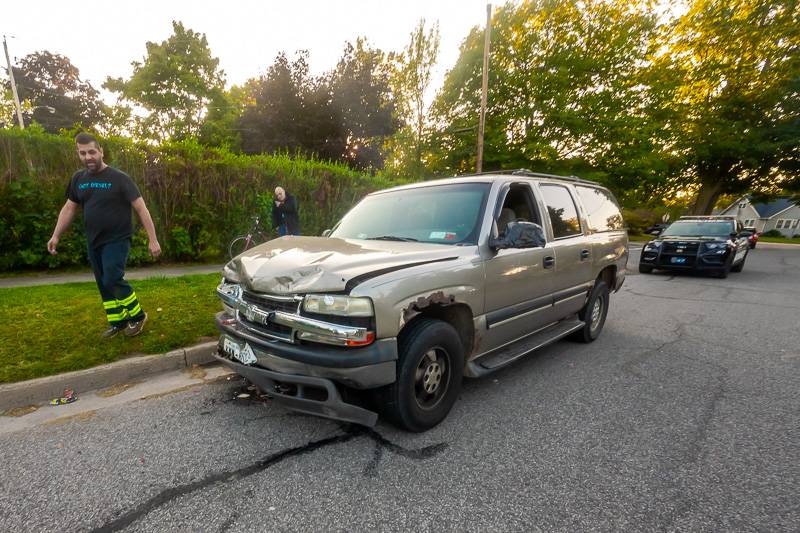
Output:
x=520 y=235
x=655 y=232
x=326 y=233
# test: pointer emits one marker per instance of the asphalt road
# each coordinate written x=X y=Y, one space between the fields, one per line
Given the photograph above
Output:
x=683 y=416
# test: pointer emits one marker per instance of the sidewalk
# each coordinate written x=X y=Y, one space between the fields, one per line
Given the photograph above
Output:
x=132 y=274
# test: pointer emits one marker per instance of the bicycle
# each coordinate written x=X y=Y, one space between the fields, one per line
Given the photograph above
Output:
x=254 y=237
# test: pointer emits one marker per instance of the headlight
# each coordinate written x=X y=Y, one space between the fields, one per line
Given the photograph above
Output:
x=715 y=245
x=329 y=304
x=229 y=293
x=652 y=246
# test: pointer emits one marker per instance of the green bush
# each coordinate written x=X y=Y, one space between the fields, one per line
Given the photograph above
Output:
x=772 y=233
x=199 y=197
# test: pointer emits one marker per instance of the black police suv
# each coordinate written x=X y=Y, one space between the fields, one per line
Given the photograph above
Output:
x=709 y=244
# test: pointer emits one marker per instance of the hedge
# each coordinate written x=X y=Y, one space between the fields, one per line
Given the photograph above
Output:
x=199 y=197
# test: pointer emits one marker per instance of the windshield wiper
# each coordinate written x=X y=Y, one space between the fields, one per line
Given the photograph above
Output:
x=392 y=238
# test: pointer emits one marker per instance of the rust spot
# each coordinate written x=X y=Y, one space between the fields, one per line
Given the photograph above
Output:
x=415 y=307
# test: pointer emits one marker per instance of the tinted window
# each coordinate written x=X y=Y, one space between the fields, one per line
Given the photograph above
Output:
x=601 y=209
x=699 y=228
x=562 y=211
x=445 y=214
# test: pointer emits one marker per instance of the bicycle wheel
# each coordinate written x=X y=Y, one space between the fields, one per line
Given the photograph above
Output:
x=238 y=245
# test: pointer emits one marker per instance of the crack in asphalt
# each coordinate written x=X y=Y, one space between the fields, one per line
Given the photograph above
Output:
x=351 y=432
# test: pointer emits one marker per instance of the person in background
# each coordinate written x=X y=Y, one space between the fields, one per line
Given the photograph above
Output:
x=106 y=196
x=285 y=213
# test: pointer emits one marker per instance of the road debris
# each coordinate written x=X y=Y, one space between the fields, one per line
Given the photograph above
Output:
x=69 y=396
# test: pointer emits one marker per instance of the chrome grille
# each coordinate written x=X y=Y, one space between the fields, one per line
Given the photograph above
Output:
x=286 y=305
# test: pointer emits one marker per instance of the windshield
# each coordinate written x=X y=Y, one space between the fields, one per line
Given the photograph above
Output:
x=695 y=228
x=442 y=214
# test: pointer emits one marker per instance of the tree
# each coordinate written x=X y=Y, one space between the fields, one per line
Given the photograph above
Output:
x=565 y=93
x=46 y=80
x=737 y=105
x=175 y=83
x=362 y=100
x=343 y=116
x=410 y=81
x=276 y=115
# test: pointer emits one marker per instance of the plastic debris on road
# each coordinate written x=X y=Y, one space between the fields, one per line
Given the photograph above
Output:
x=69 y=396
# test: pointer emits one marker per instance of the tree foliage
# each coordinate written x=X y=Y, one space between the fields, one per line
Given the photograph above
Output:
x=53 y=93
x=736 y=104
x=411 y=79
x=565 y=91
x=175 y=83
x=342 y=116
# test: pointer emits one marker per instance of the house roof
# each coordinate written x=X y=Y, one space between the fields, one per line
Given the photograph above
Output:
x=772 y=208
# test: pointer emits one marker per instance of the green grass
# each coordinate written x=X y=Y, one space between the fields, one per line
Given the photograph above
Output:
x=784 y=240
x=47 y=330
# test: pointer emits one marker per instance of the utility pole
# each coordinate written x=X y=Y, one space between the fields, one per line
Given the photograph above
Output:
x=13 y=85
x=485 y=87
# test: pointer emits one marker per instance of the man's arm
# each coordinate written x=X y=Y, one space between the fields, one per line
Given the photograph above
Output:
x=64 y=220
x=149 y=227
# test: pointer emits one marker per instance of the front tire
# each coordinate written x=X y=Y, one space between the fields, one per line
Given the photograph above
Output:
x=645 y=269
x=593 y=313
x=429 y=373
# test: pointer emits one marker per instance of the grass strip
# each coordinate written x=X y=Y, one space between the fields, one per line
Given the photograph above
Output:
x=47 y=330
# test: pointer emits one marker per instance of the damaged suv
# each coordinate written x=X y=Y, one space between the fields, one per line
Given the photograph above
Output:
x=417 y=287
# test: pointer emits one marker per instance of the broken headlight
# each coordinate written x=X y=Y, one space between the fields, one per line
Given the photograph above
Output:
x=329 y=304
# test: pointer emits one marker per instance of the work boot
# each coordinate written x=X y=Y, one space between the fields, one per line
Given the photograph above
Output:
x=134 y=328
x=111 y=331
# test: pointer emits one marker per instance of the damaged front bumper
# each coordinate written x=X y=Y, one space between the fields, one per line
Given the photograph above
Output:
x=305 y=377
x=315 y=396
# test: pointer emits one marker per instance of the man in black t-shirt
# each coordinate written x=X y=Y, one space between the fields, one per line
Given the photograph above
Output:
x=106 y=196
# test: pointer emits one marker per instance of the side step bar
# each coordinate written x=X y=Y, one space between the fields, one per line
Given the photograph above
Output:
x=505 y=356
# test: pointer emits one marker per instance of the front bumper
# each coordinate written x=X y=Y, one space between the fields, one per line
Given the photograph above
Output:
x=695 y=262
x=360 y=368
x=311 y=395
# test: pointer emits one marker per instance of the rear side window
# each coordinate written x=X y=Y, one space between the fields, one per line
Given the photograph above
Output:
x=562 y=211
x=601 y=209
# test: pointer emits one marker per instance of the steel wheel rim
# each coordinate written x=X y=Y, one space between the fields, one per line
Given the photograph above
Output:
x=431 y=378
x=597 y=313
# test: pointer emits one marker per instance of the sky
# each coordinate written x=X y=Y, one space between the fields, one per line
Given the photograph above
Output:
x=102 y=39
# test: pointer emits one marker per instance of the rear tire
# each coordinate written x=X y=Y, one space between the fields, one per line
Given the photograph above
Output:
x=429 y=373
x=645 y=269
x=593 y=314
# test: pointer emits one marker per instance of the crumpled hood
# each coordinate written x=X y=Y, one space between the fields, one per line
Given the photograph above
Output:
x=292 y=265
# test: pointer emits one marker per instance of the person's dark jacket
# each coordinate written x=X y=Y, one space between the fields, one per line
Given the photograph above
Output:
x=287 y=213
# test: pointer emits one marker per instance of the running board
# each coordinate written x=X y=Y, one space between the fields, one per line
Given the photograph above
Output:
x=507 y=355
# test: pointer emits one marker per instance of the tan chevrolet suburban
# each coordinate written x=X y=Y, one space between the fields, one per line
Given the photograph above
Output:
x=418 y=286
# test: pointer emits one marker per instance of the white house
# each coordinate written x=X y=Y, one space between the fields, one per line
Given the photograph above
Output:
x=781 y=214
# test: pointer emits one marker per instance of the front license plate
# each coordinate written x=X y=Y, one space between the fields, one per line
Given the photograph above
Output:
x=678 y=260
x=243 y=354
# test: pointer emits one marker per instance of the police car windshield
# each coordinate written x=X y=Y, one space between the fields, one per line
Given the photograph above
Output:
x=699 y=228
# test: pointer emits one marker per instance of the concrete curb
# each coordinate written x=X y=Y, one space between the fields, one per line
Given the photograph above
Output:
x=40 y=390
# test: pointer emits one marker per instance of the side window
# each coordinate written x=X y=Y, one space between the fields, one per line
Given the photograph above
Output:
x=517 y=207
x=601 y=209
x=562 y=211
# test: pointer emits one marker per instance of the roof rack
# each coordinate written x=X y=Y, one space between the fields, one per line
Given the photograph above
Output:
x=530 y=174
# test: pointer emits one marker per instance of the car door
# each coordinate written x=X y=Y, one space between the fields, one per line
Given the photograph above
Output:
x=572 y=251
x=519 y=282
